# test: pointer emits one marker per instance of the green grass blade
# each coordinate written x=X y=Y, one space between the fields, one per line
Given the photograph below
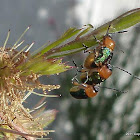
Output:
x=122 y=22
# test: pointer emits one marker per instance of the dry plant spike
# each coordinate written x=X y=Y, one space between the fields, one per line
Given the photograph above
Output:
x=6 y=40
x=21 y=36
x=14 y=82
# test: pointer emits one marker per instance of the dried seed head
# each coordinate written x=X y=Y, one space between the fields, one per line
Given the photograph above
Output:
x=14 y=84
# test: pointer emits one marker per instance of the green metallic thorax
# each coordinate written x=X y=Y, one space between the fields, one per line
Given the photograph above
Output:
x=104 y=53
x=92 y=79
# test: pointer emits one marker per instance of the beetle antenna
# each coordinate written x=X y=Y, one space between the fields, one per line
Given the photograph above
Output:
x=113 y=89
x=126 y=72
x=108 y=29
x=77 y=66
x=74 y=63
x=119 y=32
x=107 y=33
x=75 y=78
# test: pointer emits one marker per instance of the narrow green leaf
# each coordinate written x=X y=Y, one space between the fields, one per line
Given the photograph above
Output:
x=89 y=26
x=127 y=20
x=59 y=41
x=44 y=67
x=122 y=22
x=69 y=31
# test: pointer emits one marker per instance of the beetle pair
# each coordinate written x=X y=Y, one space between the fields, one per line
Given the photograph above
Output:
x=96 y=68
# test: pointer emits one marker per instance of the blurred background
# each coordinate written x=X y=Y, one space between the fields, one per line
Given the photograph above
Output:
x=110 y=115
